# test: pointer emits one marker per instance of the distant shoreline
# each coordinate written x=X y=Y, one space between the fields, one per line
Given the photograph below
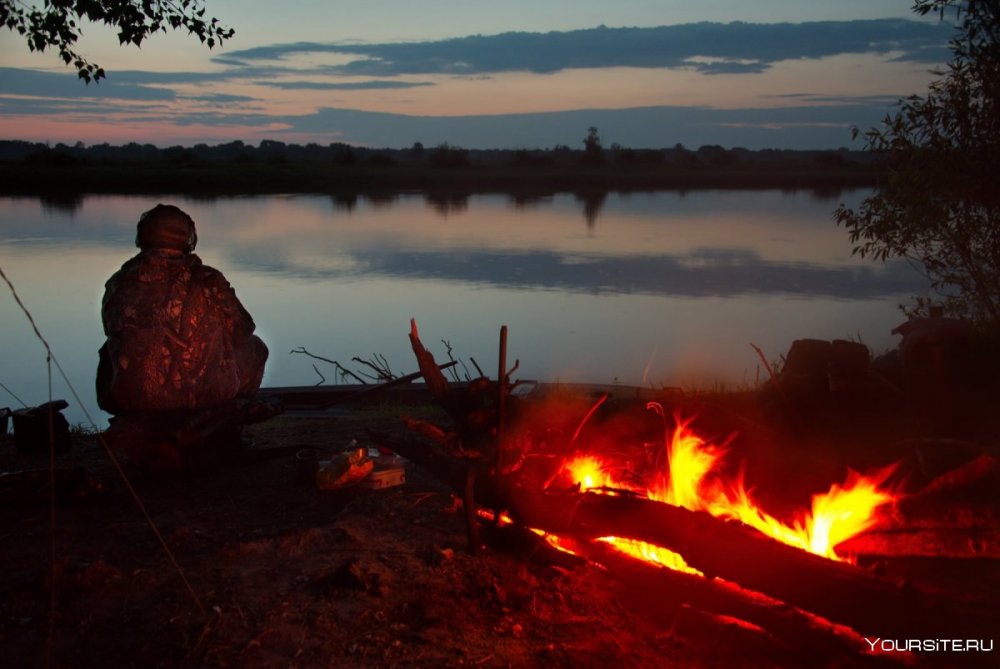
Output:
x=231 y=178
x=275 y=167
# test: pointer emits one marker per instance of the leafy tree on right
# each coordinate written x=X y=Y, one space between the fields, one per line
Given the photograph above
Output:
x=940 y=203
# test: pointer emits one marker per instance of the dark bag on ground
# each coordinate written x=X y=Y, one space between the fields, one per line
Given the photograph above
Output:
x=35 y=428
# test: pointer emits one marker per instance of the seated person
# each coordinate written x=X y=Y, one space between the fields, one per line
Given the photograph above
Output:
x=178 y=339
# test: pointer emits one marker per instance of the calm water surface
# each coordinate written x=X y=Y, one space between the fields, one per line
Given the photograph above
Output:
x=662 y=288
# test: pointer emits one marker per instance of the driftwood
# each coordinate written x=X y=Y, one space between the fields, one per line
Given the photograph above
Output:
x=476 y=412
x=392 y=383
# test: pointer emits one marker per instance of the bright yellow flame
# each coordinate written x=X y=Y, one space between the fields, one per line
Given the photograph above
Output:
x=844 y=512
x=588 y=472
x=651 y=553
x=690 y=459
x=837 y=515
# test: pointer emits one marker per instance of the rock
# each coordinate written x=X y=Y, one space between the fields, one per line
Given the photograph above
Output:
x=816 y=369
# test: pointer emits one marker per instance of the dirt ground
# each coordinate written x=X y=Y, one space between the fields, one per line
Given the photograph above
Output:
x=282 y=574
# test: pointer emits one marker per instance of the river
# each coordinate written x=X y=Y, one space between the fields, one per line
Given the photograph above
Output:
x=661 y=288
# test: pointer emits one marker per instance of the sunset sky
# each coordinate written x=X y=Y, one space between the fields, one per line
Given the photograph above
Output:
x=487 y=74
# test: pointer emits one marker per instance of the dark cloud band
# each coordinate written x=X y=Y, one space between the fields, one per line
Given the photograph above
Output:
x=725 y=47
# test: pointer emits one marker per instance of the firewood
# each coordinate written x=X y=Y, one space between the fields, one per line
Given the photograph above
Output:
x=838 y=591
x=429 y=369
x=806 y=634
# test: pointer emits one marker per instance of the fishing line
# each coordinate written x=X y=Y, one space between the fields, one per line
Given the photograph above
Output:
x=11 y=392
x=107 y=449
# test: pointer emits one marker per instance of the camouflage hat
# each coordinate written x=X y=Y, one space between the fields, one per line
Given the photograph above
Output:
x=166 y=227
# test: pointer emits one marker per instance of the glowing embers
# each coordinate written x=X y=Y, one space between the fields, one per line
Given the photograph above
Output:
x=651 y=553
x=691 y=478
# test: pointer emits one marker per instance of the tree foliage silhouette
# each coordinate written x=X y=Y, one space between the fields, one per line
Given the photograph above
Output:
x=593 y=148
x=940 y=203
x=59 y=24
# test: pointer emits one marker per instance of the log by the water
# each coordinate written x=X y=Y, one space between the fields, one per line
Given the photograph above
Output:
x=323 y=396
x=392 y=383
x=838 y=591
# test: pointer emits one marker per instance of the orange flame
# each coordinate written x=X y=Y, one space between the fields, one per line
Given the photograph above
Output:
x=588 y=472
x=651 y=553
x=842 y=512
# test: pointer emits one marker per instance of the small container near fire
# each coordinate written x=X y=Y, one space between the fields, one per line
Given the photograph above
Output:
x=389 y=472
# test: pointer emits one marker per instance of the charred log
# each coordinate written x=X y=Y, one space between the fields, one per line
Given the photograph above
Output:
x=808 y=635
x=837 y=591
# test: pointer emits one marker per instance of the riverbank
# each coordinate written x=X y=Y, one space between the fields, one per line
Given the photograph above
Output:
x=285 y=574
x=237 y=178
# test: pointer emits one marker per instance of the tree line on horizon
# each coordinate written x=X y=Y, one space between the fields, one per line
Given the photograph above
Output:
x=443 y=155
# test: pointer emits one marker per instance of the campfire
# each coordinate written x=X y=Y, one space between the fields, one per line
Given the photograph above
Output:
x=675 y=517
x=686 y=480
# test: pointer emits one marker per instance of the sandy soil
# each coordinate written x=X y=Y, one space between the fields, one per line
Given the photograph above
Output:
x=282 y=574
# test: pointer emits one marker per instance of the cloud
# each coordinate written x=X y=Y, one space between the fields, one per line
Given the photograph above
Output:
x=143 y=77
x=707 y=47
x=802 y=126
x=15 y=81
x=33 y=92
x=805 y=120
x=815 y=98
x=220 y=98
x=345 y=86
x=810 y=121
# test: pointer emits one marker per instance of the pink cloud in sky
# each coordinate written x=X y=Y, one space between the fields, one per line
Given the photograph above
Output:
x=69 y=130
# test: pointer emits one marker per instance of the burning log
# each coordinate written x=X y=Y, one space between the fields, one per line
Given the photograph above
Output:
x=834 y=590
x=956 y=516
x=671 y=589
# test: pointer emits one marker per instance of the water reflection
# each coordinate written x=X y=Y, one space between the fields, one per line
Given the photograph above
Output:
x=522 y=201
x=345 y=201
x=592 y=202
x=448 y=204
x=68 y=204
x=722 y=244
x=591 y=284
x=706 y=272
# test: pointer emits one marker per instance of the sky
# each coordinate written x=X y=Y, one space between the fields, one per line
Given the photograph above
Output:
x=783 y=74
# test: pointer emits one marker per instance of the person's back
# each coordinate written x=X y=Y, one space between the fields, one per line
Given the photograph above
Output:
x=177 y=336
x=177 y=333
